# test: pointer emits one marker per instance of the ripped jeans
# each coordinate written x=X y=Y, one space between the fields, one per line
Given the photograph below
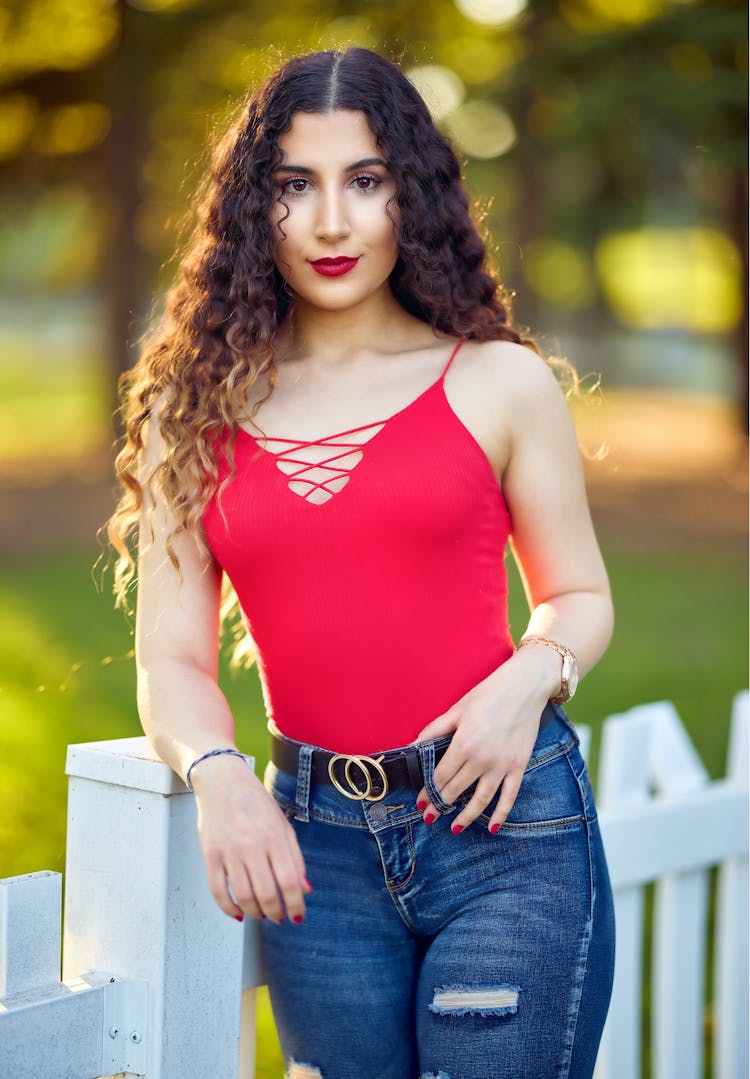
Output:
x=425 y=955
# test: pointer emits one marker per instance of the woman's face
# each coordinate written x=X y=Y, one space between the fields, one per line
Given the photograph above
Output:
x=334 y=187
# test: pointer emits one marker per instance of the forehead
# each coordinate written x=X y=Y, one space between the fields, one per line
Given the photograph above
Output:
x=329 y=138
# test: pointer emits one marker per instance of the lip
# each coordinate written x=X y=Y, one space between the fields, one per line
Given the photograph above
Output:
x=333 y=267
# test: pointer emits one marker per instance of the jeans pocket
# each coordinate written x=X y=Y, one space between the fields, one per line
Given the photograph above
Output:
x=550 y=797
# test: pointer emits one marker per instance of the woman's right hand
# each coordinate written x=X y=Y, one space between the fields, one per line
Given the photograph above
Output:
x=247 y=843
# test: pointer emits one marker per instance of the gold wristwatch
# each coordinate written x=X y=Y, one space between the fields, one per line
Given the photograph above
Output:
x=569 y=674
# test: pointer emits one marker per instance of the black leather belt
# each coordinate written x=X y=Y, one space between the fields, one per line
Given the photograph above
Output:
x=359 y=776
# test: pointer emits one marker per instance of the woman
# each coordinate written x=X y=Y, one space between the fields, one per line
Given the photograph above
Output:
x=337 y=415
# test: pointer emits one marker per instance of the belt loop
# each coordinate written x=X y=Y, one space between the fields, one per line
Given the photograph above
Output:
x=427 y=758
x=303 y=782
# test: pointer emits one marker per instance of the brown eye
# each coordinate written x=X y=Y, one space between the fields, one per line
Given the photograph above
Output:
x=295 y=190
x=367 y=183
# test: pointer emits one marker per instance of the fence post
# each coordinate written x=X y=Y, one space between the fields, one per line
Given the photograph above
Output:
x=137 y=903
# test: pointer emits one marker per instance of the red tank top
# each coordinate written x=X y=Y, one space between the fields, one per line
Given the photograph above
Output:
x=376 y=610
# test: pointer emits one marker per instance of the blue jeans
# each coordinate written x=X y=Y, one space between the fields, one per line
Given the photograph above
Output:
x=424 y=954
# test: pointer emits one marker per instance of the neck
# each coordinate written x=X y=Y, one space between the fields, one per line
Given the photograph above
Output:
x=335 y=337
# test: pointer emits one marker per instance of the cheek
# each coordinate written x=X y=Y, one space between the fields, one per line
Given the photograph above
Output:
x=380 y=227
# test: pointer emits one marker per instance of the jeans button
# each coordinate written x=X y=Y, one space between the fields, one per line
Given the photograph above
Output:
x=378 y=812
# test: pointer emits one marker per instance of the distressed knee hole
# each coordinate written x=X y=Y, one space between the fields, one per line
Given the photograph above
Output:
x=475 y=1000
x=303 y=1071
x=435 y=1075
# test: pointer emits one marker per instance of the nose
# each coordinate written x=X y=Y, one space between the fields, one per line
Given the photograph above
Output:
x=332 y=221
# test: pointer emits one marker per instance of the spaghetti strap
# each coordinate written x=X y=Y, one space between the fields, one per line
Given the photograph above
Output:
x=450 y=361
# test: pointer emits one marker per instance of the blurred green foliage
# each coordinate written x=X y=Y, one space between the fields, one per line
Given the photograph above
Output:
x=576 y=119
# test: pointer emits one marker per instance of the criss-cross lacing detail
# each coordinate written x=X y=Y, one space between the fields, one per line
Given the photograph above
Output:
x=339 y=472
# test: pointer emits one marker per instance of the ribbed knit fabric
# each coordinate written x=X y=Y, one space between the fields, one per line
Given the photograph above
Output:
x=376 y=610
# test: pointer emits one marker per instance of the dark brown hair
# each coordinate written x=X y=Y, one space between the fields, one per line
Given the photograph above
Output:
x=216 y=335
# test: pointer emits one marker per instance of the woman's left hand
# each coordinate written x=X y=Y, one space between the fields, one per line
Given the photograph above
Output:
x=495 y=727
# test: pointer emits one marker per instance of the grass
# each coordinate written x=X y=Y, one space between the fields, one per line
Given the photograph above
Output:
x=68 y=677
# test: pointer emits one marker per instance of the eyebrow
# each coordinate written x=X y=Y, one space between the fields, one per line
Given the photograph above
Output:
x=363 y=163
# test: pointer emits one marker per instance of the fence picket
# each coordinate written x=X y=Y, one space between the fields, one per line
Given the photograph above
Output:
x=624 y=786
x=731 y=989
x=681 y=902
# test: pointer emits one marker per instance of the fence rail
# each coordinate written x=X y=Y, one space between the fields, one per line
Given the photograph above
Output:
x=157 y=982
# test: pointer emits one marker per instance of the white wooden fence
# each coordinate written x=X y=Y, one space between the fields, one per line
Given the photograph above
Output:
x=157 y=982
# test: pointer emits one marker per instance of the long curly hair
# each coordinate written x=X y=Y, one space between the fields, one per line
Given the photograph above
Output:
x=216 y=335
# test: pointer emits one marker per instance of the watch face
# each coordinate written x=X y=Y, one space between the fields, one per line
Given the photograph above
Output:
x=570 y=668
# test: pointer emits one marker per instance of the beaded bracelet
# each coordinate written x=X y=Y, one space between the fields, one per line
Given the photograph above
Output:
x=214 y=753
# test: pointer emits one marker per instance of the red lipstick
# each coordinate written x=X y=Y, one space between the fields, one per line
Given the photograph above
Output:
x=333 y=267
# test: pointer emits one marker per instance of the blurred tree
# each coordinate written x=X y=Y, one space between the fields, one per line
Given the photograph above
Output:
x=602 y=114
x=653 y=96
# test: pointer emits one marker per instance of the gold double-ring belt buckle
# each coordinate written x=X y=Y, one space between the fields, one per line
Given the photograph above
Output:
x=364 y=764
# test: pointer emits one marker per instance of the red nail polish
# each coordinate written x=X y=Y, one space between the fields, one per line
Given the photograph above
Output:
x=298 y=919
x=238 y=917
x=430 y=818
x=421 y=805
x=456 y=828
x=494 y=828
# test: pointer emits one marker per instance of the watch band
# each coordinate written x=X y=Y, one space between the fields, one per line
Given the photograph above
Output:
x=563 y=651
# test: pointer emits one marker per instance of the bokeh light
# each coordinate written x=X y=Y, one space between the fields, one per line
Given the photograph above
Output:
x=481 y=129
x=163 y=5
x=440 y=87
x=17 y=116
x=62 y=36
x=679 y=277
x=558 y=272
x=479 y=59
x=491 y=12
x=601 y=16
x=71 y=129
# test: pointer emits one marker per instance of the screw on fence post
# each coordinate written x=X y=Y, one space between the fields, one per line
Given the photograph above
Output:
x=135 y=1037
x=113 y=1032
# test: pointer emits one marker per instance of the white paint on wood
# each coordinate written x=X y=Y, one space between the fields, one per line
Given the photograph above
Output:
x=732 y=954
x=620 y=1049
x=29 y=932
x=137 y=901
x=59 y=1031
x=663 y=820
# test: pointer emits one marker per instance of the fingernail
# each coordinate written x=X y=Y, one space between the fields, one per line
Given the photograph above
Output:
x=430 y=818
x=307 y=883
x=238 y=917
x=456 y=828
x=421 y=804
x=494 y=828
x=297 y=919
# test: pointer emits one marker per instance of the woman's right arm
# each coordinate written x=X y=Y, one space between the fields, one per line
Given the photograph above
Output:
x=246 y=840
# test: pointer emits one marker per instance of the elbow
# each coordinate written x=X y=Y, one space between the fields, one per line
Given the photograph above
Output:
x=607 y=619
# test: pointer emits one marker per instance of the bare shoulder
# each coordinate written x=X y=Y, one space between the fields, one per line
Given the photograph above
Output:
x=515 y=373
x=525 y=392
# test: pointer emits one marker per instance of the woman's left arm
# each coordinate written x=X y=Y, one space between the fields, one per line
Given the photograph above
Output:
x=496 y=723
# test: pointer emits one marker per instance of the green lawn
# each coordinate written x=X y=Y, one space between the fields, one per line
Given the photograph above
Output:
x=67 y=676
